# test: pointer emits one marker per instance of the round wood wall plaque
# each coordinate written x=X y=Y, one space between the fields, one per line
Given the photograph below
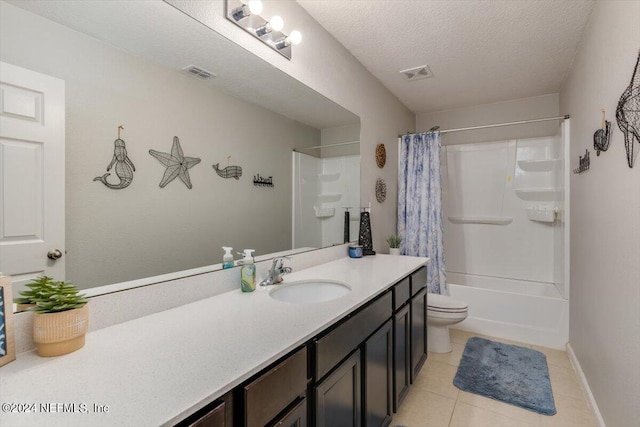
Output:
x=381 y=155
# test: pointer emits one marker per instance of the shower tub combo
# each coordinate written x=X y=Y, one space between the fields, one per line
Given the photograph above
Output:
x=531 y=312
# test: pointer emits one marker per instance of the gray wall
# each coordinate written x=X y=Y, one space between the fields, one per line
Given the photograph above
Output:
x=605 y=216
x=499 y=112
x=143 y=230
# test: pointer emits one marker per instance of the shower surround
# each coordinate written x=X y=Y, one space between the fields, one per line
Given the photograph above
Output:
x=505 y=228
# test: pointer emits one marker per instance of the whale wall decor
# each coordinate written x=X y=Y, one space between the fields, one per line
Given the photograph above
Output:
x=229 y=171
x=628 y=113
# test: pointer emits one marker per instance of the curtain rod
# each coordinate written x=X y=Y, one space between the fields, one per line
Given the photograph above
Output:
x=498 y=125
x=326 y=146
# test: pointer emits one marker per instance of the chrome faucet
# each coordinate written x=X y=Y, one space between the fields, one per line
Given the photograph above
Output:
x=274 y=276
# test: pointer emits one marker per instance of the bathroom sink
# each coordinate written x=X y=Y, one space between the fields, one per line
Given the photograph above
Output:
x=309 y=291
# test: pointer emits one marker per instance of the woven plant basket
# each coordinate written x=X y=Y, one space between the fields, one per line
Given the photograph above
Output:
x=60 y=333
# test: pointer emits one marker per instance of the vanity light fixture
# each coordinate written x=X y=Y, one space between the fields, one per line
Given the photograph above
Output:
x=246 y=15
x=276 y=24
x=253 y=7
x=294 y=38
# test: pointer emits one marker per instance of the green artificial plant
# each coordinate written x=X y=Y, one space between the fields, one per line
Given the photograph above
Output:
x=394 y=241
x=51 y=296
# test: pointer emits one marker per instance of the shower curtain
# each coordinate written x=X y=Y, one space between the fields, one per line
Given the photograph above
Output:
x=420 y=204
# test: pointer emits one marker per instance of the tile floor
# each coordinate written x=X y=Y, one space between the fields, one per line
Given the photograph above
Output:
x=433 y=400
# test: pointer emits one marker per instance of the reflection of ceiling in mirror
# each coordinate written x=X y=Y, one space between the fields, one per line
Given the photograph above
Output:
x=161 y=33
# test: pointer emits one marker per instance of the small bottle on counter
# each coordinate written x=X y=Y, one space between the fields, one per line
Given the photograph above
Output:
x=227 y=258
x=248 y=272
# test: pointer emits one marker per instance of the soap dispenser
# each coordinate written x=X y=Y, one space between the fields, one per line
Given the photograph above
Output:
x=227 y=259
x=248 y=272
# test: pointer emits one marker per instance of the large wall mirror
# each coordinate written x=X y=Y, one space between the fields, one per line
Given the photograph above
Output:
x=122 y=63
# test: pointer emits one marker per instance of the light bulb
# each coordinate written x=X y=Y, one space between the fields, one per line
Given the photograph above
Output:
x=255 y=6
x=295 y=37
x=276 y=23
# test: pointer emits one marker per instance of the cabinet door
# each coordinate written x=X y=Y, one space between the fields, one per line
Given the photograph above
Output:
x=401 y=355
x=418 y=332
x=337 y=398
x=296 y=417
x=378 y=374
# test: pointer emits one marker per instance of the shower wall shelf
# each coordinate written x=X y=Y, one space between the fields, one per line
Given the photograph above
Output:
x=542 y=213
x=538 y=165
x=329 y=198
x=328 y=177
x=493 y=220
x=324 y=212
x=539 y=194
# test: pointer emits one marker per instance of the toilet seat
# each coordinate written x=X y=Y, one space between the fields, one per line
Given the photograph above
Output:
x=445 y=304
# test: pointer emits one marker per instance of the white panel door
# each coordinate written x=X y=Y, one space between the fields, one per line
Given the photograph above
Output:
x=32 y=175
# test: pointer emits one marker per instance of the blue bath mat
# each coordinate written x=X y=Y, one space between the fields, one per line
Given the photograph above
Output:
x=509 y=373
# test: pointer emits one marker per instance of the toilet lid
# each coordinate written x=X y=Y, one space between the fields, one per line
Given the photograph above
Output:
x=445 y=303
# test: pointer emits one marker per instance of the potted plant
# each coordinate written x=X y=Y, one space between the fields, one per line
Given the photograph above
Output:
x=61 y=316
x=394 y=244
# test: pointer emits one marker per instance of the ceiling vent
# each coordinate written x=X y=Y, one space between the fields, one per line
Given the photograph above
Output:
x=198 y=72
x=417 y=73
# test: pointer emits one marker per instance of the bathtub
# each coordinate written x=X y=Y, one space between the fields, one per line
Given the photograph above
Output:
x=530 y=312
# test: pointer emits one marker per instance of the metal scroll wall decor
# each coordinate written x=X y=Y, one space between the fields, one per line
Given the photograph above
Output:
x=381 y=190
x=259 y=181
x=123 y=166
x=628 y=113
x=602 y=137
x=229 y=171
x=584 y=163
x=176 y=163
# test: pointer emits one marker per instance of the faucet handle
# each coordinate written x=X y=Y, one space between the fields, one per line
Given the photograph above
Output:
x=278 y=262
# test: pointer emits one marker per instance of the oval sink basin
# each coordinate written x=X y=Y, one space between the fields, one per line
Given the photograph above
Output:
x=309 y=291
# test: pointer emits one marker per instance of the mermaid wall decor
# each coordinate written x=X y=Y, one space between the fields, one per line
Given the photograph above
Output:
x=123 y=166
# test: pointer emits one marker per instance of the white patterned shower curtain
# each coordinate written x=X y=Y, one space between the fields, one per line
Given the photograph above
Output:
x=420 y=204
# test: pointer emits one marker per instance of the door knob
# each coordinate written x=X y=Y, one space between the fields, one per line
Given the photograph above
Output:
x=54 y=254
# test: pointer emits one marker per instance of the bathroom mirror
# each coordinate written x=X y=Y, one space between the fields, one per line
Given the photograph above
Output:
x=122 y=63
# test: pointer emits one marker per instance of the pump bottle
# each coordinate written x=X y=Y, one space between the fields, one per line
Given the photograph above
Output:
x=248 y=272
x=227 y=259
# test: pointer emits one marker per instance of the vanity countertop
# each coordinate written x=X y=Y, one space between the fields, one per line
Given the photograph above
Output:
x=157 y=369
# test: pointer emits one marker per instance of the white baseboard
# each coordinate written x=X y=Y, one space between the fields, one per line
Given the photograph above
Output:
x=585 y=387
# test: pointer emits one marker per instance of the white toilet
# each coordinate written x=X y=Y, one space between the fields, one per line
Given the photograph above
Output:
x=443 y=311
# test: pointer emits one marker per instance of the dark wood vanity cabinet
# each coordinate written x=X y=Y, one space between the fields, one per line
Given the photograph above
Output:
x=409 y=332
x=264 y=398
x=296 y=416
x=337 y=397
x=217 y=414
x=378 y=377
x=418 y=332
x=358 y=390
x=401 y=355
x=354 y=374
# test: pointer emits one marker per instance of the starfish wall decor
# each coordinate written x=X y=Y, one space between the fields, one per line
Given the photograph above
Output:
x=177 y=164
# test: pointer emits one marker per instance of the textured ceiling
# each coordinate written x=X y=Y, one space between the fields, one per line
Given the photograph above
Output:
x=480 y=51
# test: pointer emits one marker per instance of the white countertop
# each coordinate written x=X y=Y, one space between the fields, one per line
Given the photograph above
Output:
x=157 y=369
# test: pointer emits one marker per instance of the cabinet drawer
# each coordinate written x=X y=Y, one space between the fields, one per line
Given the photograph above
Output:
x=216 y=414
x=401 y=293
x=337 y=344
x=268 y=395
x=418 y=280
